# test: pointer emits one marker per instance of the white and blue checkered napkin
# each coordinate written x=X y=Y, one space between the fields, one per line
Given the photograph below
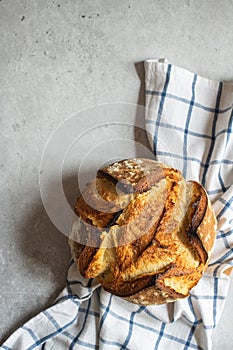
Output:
x=189 y=124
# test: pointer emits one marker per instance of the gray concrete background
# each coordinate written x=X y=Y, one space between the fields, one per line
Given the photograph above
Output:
x=58 y=57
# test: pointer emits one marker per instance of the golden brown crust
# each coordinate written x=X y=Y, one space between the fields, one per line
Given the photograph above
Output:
x=138 y=174
x=149 y=296
x=154 y=232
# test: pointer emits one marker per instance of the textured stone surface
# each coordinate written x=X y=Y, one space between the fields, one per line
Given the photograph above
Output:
x=58 y=57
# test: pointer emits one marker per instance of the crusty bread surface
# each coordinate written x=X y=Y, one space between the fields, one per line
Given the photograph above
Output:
x=144 y=232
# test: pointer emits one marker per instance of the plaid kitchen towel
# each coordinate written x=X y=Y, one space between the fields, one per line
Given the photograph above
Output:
x=189 y=125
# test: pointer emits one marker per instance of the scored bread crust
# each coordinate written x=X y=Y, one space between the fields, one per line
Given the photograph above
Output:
x=148 y=233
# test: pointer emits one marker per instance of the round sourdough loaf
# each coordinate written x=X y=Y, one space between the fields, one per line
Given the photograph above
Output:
x=144 y=232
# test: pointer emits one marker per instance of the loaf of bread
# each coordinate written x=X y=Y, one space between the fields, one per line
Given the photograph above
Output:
x=144 y=232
